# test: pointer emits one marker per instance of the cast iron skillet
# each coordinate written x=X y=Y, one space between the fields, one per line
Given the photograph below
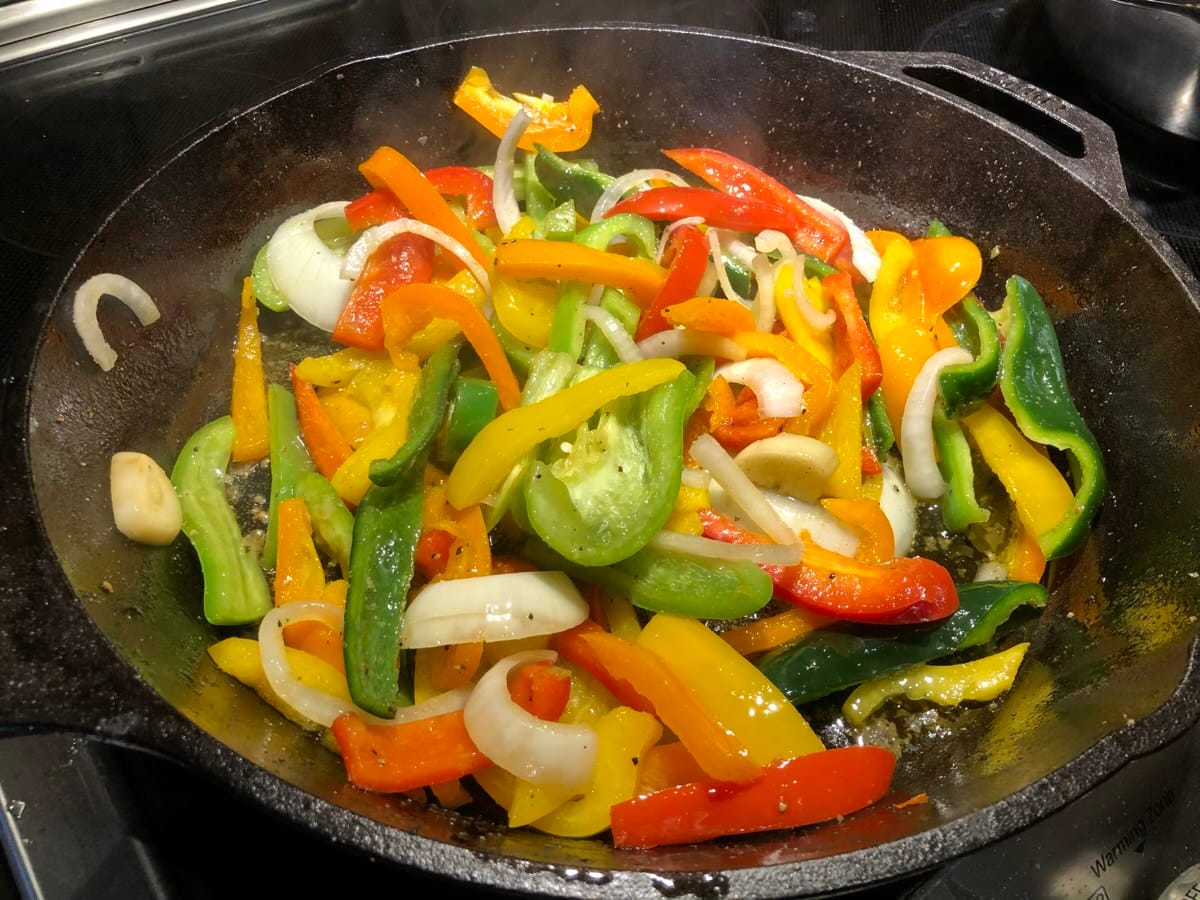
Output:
x=106 y=637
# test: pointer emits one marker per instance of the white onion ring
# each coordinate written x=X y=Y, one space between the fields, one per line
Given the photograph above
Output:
x=777 y=241
x=695 y=478
x=916 y=426
x=708 y=281
x=677 y=342
x=899 y=508
x=306 y=272
x=780 y=393
x=670 y=230
x=371 y=239
x=992 y=570
x=761 y=554
x=87 y=299
x=862 y=251
x=764 y=297
x=740 y=250
x=718 y=258
x=824 y=529
x=504 y=194
x=741 y=490
x=621 y=342
x=627 y=182
x=544 y=753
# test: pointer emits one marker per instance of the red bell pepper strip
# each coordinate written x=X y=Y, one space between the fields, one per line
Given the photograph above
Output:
x=901 y=591
x=814 y=233
x=789 y=794
x=325 y=443
x=396 y=758
x=541 y=690
x=404 y=259
x=850 y=330
x=472 y=185
x=717 y=209
x=571 y=646
x=687 y=259
x=433 y=552
x=372 y=208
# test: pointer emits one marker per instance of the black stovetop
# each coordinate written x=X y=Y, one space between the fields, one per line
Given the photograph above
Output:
x=81 y=127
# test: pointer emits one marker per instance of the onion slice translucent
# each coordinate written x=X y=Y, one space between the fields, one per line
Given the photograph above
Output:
x=307 y=272
x=627 y=182
x=899 y=508
x=761 y=554
x=991 y=570
x=764 y=297
x=863 y=253
x=678 y=342
x=728 y=474
x=670 y=230
x=778 y=242
x=696 y=478
x=371 y=239
x=87 y=300
x=823 y=528
x=916 y=426
x=504 y=194
x=502 y=607
x=780 y=393
x=718 y=258
x=621 y=342
x=545 y=753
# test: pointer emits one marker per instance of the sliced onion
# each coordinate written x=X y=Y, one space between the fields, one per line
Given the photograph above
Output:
x=707 y=452
x=863 y=253
x=596 y=295
x=670 y=230
x=678 y=342
x=916 y=427
x=492 y=608
x=545 y=753
x=761 y=554
x=739 y=250
x=621 y=342
x=899 y=507
x=371 y=239
x=307 y=273
x=779 y=392
x=708 y=281
x=87 y=299
x=778 y=242
x=696 y=478
x=718 y=258
x=764 y=297
x=992 y=570
x=627 y=182
x=823 y=528
x=504 y=194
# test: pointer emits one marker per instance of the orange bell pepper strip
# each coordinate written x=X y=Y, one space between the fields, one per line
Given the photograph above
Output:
x=392 y=170
x=395 y=758
x=718 y=752
x=408 y=309
x=1023 y=556
x=877 y=542
x=843 y=431
x=949 y=269
x=818 y=381
x=560 y=127
x=454 y=665
x=712 y=314
x=300 y=576
x=566 y=261
x=789 y=794
x=403 y=259
x=774 y=631
x=905 y=350
x=667 y=765
x=249 y=402
x=324 y=441
x=850 y=330
x=541 y=690
x=571 y=647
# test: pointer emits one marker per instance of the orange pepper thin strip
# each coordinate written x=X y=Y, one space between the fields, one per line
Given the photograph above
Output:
x=300 y=576
x=878 y=542
x=818 y=380
x=711 y=314
x=397 y=758
x=249 y=403
x=561 y=127
x=324 y=441
x=565 y=261
x=409 y=308
x=775 y=631
x=392 y=170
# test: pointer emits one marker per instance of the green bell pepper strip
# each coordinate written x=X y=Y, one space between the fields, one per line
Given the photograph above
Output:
x=669 y=583
x=538 y=200
x=638 y=230
x=959 y=506
x=235 y=591
x=740 y=278
x=519 y=354
x=1034 y=384
x=965 y=386
x=559 y=224
x=569 y=327
x=473 y=403
x=570 y=181
x=614 y=490
x=264 y=288
x=289 y=460
x=817 y=268
x=332 y=522
x=597 y=349
x=387 y=527
x=425 y=418
x=937 y=228
x=876 y=427
x=829 y=660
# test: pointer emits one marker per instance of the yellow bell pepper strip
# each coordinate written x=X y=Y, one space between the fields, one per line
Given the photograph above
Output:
x=442 y=331
x=390 y=169
x=667 y=765
x=248 y=406
x=774 y=631
x=408 y=309
x=525 y=309
x=498 y=783
x=505 y=440
x=240 y=658
x=731 y=689
x=896 y=259
x=623 y=736
x=325 y=443
x=818 y=382
x=621 y=617
x=713 y=314
x=980 y=680
x=1037 y=489
x=562 y=261
x=949 y=267
x=451 y=794
x=1023 y=556
x=339 y=369
x=818 y=343
x=299 y=576
x=877 y=543
x=789 y=794
x=561 y=127
x=720 y=753
x=688 y=503
x=843 y=432
x=352 y=479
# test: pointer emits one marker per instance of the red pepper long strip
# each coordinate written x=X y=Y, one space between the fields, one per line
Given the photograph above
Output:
x=789 y=794
x=669 y=204
x=689 y=257
x=420 y=304
x=248 y=404
x=388 y=168
x=395 y=758
x=815 y=233
x=851 y=329
x=901 y=591
x=563 y=260
x=471 y=184
x=372 y=208
x=324 y=441
x=571 y=647
x=405 y=259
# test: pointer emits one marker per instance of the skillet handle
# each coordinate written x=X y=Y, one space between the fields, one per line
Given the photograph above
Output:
x=1082 y=143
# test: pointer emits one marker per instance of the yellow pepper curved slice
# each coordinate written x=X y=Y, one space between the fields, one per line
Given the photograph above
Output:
x=248 y=406
x=818 y=343
x=506 y=439
x=441 y=331
x=526 y=310
x=896 y=259
x=352 y=479
x=843 y=432
x=560 y=127
x=565 y=261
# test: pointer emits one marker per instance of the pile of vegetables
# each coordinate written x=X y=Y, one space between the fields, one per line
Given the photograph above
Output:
x=605 y=477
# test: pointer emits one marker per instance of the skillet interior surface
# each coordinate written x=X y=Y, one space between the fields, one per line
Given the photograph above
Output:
x=1113 y=645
